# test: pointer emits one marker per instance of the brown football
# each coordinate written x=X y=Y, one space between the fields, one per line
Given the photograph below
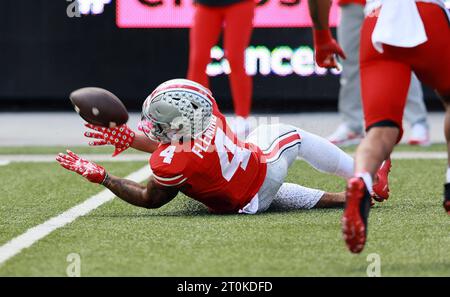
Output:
x=99 y=107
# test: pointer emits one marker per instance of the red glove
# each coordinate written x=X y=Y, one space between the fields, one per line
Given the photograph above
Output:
x=145 y=127
x=121 y=137
x=326 y=48
x=91 y=171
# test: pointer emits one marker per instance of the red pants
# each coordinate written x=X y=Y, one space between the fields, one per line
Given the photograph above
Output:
x=205 y=33
x=385 y=78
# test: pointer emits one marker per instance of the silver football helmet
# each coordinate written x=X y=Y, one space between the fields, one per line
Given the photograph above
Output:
x=178 y=108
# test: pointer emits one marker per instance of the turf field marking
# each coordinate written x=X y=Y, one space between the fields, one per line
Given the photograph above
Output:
x=36 y=233
x=4 y=162
x=418 y=155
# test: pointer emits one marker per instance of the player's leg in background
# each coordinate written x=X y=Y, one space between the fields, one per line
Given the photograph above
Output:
x=416 y=114
x=385 y=82
x=237 y=33
x=446 y=102
x=204 y=34
x=431 y=62
x=444 y=94
x=384 y=87
x=349 y=101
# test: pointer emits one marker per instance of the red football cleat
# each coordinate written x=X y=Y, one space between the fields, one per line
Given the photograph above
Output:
x=381 y=187
x=354 y=220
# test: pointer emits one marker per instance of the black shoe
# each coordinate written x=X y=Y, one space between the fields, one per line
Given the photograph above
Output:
x=447 y=198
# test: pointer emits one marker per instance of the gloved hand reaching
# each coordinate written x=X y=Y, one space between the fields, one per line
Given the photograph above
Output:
x=121 y=137
x=91 y=171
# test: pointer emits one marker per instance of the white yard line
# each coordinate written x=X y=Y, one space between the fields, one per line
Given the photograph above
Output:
x=4 y=162
x=34 y=234
x=5 y=159
x=418 y=155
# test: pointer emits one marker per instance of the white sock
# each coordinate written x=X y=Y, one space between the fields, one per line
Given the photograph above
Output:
x=448 y=175
x=293 y=196
x=367 y=180
x=325 y=156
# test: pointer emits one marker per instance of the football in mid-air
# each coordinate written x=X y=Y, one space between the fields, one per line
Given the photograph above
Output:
x=99 y=107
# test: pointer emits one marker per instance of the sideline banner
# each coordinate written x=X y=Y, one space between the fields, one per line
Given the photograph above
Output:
x=178 y=14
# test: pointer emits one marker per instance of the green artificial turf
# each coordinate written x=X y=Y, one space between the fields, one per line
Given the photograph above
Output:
x=410 y=231
x=31 y=193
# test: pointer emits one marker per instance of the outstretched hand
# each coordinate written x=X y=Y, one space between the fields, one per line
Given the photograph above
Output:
x=326 y=49
x=121 y=137
x=89 y=170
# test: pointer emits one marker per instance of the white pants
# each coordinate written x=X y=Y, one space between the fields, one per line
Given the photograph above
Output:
x=281 y=146
x=278 y=165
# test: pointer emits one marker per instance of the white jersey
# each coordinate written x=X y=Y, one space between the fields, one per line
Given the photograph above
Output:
x=399 y=23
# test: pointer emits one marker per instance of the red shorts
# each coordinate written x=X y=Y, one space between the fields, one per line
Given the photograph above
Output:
x=385 y=77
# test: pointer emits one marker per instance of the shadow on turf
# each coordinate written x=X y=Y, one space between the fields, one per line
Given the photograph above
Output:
x=195 y=209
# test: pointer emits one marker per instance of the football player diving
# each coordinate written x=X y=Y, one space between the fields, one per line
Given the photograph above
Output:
x=193 y=151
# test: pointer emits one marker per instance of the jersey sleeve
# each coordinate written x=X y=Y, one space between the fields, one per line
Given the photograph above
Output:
x=168 y=174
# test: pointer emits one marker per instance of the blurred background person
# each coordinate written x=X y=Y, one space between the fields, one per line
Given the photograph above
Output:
x=236 y=19
x=350 y=131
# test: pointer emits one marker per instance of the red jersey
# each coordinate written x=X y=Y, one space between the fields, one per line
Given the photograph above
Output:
x=215 y=169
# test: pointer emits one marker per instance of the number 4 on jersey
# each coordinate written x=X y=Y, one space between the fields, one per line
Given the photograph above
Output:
x=240 y=155
x=168 y=154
